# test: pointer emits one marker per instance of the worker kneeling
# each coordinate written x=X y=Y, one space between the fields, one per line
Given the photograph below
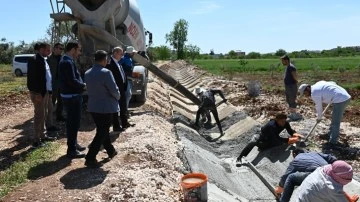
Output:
x=207 y=98
x=270 y=136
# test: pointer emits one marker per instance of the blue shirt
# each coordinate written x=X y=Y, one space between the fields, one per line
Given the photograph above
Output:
x=307 y=162
x=289 y=79
x=127 y=64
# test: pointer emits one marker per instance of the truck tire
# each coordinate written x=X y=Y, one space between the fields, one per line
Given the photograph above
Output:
x=142 y=97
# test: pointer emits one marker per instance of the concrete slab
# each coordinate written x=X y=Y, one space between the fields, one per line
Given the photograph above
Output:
x=241 y=181
x=215 y=194
x=239 y=128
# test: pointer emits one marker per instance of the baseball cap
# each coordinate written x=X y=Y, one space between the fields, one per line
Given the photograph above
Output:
x=302 y=88
x=130 y=49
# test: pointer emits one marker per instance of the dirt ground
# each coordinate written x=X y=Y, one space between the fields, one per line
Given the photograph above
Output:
x=147 y=167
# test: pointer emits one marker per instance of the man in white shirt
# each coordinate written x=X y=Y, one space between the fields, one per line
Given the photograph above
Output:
x=326 y=92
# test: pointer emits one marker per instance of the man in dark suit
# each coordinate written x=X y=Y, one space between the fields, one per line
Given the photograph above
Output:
x=103 y=102
x=39 y=85
x=71 y=88
x=121 y=82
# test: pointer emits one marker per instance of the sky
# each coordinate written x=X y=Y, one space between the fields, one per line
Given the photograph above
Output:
x=248 y=25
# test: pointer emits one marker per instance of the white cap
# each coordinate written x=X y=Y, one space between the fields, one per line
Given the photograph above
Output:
x=302 y=88
x=130 y=49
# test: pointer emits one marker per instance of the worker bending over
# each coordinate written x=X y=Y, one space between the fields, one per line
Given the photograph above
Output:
x=326 y=184
x=207 y=98
x=270 y=136
x=304 y=164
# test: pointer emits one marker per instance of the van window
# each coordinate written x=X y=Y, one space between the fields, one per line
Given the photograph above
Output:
x=22 y=59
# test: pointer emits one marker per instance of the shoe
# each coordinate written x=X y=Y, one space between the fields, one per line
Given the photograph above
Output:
x=128 y=125
x=48 y=138
x=52 y=129
x=113 y=154
x=75 y=155
x=61 y=119
x=92 y=164
x=118 y=129
x=239 y=161
x=38 y=144
x=80 y=148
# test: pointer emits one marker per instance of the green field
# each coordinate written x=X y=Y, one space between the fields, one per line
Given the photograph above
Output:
x=223 y=66
x=10 y=84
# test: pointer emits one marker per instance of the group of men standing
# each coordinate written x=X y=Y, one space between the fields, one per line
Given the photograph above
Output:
x=55 y=79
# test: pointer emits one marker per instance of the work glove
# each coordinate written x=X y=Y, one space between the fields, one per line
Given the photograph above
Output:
x=293 y=140
x=297 y=135
x=279 y=190
x=351 y=198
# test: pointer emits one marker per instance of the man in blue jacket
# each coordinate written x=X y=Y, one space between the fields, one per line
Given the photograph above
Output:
x=71 y=88
x=302 y=166
x=127 y=63
x=102 y=104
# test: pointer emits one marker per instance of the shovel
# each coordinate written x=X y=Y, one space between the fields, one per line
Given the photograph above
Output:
x=302 y=142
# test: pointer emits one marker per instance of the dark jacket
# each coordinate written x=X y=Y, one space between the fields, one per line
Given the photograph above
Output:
x=53 y=61
x=117 y=75
x=36 y=77
x=69 y=77
x=208 y=97
x=271 y=131
x=307 y=162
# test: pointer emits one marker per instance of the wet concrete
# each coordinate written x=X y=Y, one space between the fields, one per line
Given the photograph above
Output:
x=215 y=157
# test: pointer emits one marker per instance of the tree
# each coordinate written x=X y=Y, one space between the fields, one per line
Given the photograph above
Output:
x=193 y=51
x=161 y=52
x=178 y=36
x=60 y=32
x=280 y=52
x=253 y=55
x=212 y=52
x=232 y=54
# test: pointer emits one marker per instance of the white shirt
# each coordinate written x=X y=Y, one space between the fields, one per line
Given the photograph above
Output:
x=48 y=76
x=319 y=187
x=122 y=73
x=324 y=92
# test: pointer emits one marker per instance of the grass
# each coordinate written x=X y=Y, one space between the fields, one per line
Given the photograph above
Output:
x=221 y=66
x=18 y=173
x=9 y=84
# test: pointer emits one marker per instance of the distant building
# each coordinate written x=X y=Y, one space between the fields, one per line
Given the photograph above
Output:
x=240 y=53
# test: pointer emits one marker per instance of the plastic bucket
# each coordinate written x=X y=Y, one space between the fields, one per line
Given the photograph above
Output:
x=194 y=186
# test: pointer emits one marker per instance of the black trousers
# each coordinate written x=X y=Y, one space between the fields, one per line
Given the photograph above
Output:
x=255 y=142
x=123 y=112
x=213 y=110
x=103 y=123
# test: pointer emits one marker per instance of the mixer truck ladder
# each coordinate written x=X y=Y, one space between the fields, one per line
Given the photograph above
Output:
x=58 y=14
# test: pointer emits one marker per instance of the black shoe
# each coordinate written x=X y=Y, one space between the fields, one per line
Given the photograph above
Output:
x=92 y=164
x=61 y=119
x=75 y=155
x=48 y=138
x=128 y=125
x=112 y=155
x=38 y=144
x=118 y=129
x=52 y=129
x=80 y=148
x=239 y=161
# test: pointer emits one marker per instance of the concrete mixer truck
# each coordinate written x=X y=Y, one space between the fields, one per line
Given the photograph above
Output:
x=104 y=24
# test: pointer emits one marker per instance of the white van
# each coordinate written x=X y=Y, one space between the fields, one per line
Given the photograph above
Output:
x=19 y=64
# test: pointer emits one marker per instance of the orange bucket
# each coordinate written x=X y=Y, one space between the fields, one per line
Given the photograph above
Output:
x=194 y=186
